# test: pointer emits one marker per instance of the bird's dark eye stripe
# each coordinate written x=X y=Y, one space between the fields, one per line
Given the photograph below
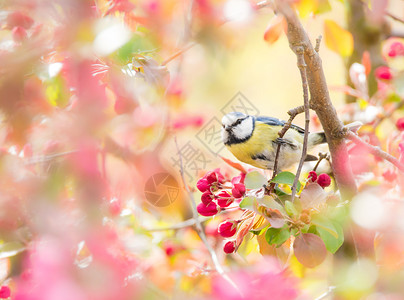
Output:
x=238 y=121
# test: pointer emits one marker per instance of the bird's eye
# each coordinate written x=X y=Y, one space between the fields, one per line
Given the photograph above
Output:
x=237 y=122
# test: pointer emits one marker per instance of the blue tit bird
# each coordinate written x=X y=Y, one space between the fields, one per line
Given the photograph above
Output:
x=254 y=140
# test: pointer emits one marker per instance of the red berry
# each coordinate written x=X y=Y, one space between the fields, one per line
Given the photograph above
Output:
x=208 y=210
x=227 y=228
x=312 y=176
x=324 y=180
x=229 y=247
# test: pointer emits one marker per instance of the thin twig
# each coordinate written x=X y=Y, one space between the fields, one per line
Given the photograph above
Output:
x=389 y=113
x=302 y=67
x=292 y=113
x=375 y=150
x=325 y=294
x=318 y=42
x=46 y=158
x=395 y=18
x=199 y=228
x=178 y=53
x=321 y=156
x=198 y=224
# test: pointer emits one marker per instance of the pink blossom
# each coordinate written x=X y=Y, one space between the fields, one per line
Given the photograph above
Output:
x=396 y=49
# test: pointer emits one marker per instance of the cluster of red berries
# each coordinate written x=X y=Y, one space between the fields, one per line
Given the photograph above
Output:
x=219 y=193
x=322 y=180
x=216 y=194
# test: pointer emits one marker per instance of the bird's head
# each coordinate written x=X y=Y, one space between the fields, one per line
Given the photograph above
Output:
x=237 y=127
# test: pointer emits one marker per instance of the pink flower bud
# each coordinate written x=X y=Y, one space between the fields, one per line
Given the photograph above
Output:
x=222 y=202
x=324 y=180
x=238 y=190
x=208 y=210
x=202 y=185
x=18 y=18
x=389 y=175
x=396 y=48
x=229 y=247
x=312 y=176
x=211 y=177
x=227 y=228
x=238 y=179
x=207 y=197
x=400 y=124
x=219 y=175
x=5 y=292
x=383 y=73
x=19 y=34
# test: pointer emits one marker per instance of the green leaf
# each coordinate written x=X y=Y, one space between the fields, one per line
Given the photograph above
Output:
x=255 y=180
x=290 y=208
x=393 y=97
x=324 y=223
x=247 y=203
x=11 y=249
x=270 y=202
x=331 y=242
x=277 y=236
x=286 y=178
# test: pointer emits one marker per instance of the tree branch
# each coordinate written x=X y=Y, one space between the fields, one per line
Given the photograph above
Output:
x=292 y=113
x=320 y=100
x=375 y=150
x=302 y=67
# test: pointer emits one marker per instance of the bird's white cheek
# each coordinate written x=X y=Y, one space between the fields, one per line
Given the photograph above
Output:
x=225 y=135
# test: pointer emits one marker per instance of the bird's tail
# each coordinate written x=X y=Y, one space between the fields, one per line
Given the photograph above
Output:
x=319 y=137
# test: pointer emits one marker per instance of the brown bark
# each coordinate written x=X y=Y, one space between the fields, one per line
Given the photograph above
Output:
x=320 y=100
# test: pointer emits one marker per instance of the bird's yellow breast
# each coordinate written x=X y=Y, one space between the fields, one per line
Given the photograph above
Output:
x=261 y=142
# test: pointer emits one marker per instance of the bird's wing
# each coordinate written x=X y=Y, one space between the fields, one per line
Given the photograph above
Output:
x=282 y=141
x=270 y=121
x=277 y=122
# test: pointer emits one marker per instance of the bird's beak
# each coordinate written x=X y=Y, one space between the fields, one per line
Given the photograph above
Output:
x=226 y=127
